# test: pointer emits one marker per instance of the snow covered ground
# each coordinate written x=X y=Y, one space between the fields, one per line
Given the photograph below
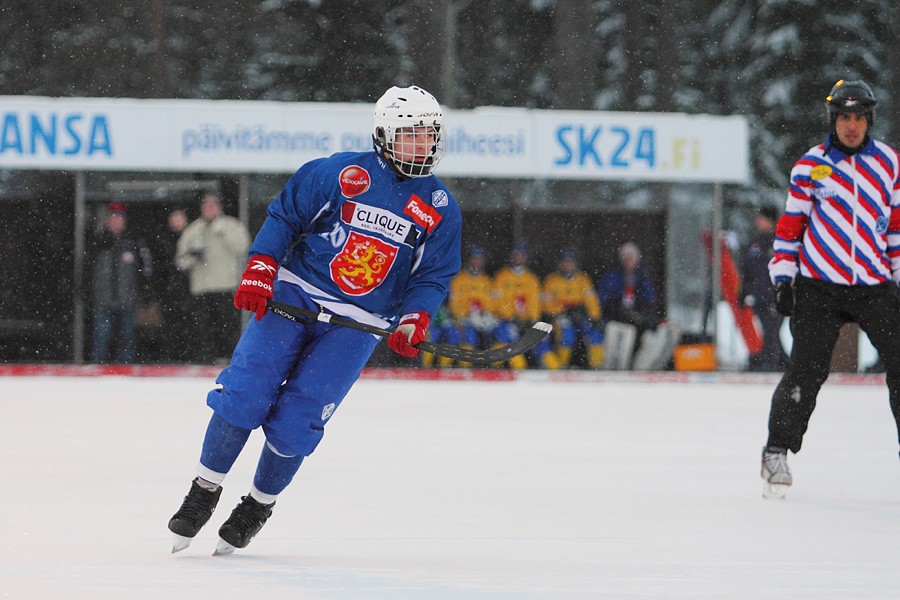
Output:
x=455 y=490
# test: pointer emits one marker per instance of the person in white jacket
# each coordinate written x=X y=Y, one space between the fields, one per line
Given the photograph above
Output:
x=213 y=250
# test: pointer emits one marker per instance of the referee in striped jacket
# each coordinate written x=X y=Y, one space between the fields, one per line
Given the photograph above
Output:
x=836 y=261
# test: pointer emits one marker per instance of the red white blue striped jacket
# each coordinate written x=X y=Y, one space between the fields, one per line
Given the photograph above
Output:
x=842 y=220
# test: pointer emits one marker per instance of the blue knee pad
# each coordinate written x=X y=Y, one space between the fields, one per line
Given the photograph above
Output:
x=222 y=444
x=274 y=471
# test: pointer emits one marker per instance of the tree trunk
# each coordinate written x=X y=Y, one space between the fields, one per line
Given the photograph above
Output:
x=575 y=70
x=430 y=47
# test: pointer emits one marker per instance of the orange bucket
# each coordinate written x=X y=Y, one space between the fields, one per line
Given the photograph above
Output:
x=695 y=357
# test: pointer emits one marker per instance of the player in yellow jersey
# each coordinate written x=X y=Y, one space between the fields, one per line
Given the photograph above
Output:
x=570 y=301
x=470 y=302
x=516 y=293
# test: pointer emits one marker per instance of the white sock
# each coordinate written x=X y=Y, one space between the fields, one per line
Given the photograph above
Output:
x=262 y=497
x=209 y=477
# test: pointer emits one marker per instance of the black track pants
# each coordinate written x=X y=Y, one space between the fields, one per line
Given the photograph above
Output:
x=820 y=310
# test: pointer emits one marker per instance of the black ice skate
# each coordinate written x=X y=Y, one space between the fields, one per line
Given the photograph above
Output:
x=245 y=521
x=195 y=511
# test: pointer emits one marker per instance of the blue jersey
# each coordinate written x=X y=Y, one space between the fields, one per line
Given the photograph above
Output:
x=362 y=242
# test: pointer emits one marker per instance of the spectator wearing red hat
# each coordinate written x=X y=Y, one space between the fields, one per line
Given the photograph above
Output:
x=120 y=270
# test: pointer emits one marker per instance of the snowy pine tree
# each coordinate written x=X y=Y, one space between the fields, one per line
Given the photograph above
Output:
x=799 y=50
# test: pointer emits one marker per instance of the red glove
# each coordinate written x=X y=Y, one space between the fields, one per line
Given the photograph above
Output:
x=410 y=330
x=256 y=285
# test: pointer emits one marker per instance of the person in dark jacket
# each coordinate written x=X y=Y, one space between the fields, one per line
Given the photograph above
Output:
x=626 y=292
x=172 y=290
x=756 y=291
x=121 y=269
x=628 y=302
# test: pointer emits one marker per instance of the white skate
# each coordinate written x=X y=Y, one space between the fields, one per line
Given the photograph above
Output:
x=775 y=472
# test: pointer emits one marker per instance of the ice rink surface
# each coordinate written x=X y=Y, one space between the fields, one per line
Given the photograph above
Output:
x=519 y=490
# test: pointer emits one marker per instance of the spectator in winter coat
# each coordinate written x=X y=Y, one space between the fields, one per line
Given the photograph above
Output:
x=756 y=291
x=213 y=250
x=172 y=289
x=628 y=301
x=626 y=292
x=120 y=272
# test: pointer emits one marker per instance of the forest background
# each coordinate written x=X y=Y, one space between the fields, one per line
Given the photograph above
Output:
x=770 y=60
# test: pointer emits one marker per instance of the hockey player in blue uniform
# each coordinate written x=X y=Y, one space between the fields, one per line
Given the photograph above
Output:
x=371 y=236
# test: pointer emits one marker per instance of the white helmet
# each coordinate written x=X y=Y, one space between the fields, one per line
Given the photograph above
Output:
x=415 y=111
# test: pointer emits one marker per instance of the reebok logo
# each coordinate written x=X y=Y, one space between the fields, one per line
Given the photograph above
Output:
x=258 y=265
x=256 y=283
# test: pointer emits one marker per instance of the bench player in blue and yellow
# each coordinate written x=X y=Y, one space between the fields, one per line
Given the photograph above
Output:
x=571 y=303
x=516 y=294
x=470 y=302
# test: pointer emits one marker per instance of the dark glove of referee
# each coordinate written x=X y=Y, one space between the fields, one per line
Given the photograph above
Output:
x=784 y=297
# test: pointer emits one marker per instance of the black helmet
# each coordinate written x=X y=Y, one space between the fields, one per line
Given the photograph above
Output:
x=850 y=97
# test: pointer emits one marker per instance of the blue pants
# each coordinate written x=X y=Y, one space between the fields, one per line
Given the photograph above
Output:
x=568 y=332
x=289 y=378
x=110 y=323
x=506 y=332
x=445 y=333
